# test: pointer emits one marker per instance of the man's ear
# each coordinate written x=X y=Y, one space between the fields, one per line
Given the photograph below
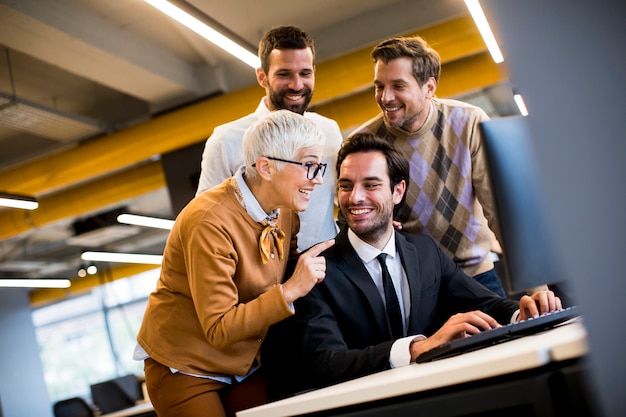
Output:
x=431 y=87
x=398 y=191
x=261 y=77
x=264 y=168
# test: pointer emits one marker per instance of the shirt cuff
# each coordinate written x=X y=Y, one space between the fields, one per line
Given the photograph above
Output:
x=290 y=305
x=400 y=355
x=515 y=316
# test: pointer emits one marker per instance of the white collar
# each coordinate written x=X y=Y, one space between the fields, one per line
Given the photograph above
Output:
x=250 y=203
x=367 y=252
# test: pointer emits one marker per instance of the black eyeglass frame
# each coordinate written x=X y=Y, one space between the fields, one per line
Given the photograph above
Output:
x=308 y=165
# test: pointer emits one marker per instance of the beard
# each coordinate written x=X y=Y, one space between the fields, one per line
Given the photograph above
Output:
x=278 y=101
x=374 y=229
x=403 y=123
x=407 y=121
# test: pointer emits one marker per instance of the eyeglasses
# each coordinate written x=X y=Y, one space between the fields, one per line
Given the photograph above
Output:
x=312 y=168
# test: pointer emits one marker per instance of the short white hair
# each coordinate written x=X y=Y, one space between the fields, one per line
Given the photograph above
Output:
x=281 y=134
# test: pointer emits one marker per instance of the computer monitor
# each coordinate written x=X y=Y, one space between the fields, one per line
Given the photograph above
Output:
x=182 y=173
x=116 y=394
x=530 y=257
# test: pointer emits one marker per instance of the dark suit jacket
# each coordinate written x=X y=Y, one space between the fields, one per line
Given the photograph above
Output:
x=340 y=330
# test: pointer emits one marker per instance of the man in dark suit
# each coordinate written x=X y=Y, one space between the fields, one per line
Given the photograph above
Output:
x=342 y=327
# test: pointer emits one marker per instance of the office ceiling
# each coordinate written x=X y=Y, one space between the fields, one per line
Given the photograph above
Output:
x=119 y=85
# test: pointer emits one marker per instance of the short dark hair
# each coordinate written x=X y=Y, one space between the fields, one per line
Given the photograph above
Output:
x=397 y=164
x=283 y=37
x=426 y=61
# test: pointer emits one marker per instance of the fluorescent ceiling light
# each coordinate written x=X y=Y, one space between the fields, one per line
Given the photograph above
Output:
x=519 y=100
x=131 y=258
x=34 y=283
x=18 y=201
x=485 y=31
x=206 y=32
x=145 y=221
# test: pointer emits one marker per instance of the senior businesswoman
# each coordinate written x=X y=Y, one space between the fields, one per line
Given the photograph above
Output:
x=220 y=286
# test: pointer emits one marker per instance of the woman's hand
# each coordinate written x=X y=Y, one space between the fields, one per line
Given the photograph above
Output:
x=310 y=270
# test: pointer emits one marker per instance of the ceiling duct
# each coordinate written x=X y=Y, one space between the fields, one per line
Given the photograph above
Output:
x=25 y=116
x=101 y=229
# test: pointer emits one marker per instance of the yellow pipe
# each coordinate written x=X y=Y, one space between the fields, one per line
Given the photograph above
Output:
x=353 y=72
x=342 y=92
x=337 y=78
x=130 y=146
x=472 y=73
x=460 y=76
x=84 y=198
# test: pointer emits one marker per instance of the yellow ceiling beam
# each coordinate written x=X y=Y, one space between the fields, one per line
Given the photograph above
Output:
x=471 y=73
x=128 y=147
x=343 y=92
x=354 y=71
x=336 y=78
x=86 y=197
x=461 y=76
x=348 y=99
x=458 y=77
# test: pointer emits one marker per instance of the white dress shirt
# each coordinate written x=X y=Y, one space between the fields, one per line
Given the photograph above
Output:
x=399 y=355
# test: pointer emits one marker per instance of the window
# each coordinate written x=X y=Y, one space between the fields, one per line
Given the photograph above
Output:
x=90 y=338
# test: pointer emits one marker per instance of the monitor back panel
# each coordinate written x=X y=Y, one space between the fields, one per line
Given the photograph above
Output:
x=529 y=253
x=116 y=394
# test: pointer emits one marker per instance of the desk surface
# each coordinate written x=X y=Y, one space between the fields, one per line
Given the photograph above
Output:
x=137 y=410
x=559 y=344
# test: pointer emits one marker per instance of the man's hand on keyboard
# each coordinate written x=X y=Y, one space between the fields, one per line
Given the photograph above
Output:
x=539 y=303
x=458 y=326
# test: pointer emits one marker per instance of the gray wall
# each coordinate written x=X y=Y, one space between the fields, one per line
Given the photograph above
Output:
x=22 y=386
x=567 y=59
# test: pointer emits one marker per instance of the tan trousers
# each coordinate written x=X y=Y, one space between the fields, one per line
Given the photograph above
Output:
x=180 y=395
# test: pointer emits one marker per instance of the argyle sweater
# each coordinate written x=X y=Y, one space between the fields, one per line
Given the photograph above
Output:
x=449 y=194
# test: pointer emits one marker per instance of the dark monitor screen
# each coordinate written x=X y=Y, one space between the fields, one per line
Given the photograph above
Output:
x=530 y=258
x=116 y=394
x=182 y=173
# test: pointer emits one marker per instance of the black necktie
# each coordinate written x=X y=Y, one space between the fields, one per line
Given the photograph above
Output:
x=393 y=306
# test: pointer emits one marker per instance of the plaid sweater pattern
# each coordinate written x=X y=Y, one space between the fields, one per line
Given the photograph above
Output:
x=448 y=197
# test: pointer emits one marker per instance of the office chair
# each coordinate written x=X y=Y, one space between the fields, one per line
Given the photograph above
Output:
x=109 y=396
x=72 y=407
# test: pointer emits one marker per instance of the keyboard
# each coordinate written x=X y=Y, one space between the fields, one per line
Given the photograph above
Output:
x=499 y=335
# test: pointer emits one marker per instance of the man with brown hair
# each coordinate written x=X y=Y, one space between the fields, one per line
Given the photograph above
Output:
x=388 y=295
x=448 y=192
x=287 y=74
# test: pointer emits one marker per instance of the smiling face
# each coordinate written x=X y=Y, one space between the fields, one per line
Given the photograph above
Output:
x=365 y=196
x=292 y=189
x=290 y=80
x=404 y=103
